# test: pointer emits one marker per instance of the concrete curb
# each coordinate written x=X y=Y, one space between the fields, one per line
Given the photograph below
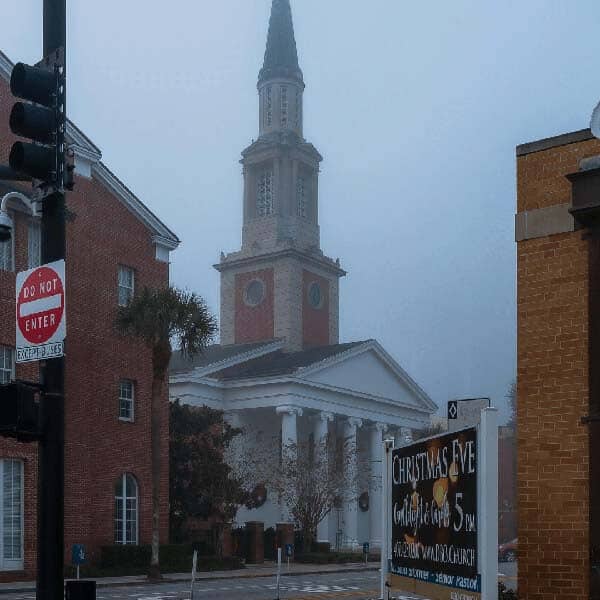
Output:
x=218 y=576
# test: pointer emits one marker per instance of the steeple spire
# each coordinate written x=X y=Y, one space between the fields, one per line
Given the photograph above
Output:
x=281 y=56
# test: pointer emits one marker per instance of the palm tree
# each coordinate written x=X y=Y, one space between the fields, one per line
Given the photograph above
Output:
x=161 y=318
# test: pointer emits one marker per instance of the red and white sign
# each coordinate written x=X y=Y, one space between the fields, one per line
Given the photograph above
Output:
x=41 y=312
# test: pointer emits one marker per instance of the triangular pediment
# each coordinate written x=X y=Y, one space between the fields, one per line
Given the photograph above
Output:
x=370 y=370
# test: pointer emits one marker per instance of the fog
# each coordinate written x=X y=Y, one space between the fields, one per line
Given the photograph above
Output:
x=416 y=108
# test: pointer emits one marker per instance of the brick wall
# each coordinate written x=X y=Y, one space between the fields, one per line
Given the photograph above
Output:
x=99 y=447
x=553 y=385
x=315 y=320
x=254 y=323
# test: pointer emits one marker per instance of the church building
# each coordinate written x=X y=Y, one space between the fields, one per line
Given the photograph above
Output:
x=280 y=369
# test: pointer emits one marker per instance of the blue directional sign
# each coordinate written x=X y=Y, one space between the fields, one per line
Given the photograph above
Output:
x=289 y=550
x=366 y=548
x=78 y=554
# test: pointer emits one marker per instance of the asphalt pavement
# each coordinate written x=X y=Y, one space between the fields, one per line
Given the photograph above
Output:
x=329 y=586
x=317 y=582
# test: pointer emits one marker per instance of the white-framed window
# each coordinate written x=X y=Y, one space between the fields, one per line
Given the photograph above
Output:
x=126 y=510
x=269 y=106
x=284 y=106
x=302 y=196
x=264 y=194
x=6 y=254
x=126 y=399
x=11 y=520
x=126 y=285
x=7 y=364
x=34 y=244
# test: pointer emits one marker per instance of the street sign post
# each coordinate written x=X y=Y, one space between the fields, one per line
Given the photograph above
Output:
x=41 y=312
x=78 y=557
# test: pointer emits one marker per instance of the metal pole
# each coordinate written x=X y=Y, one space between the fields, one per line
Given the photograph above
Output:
x=385 y=512
x=50 y=542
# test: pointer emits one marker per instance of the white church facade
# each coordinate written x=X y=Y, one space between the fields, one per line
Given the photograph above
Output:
x=280 y=369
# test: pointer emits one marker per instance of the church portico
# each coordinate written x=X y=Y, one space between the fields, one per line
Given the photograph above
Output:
x=279 y=372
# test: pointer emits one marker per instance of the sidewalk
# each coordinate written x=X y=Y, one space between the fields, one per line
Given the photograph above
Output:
x=268 y=569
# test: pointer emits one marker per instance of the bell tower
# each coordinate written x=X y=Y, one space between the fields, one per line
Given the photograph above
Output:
x=280 y=284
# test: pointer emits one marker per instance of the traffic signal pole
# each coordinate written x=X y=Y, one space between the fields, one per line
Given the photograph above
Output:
x=50 y=542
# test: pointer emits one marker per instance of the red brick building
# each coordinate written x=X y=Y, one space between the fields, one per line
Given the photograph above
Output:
x=115 y=245
x=558 y=388
x=507 y=484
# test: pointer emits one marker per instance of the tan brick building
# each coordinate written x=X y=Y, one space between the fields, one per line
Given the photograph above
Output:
x=558 y=260
x=115 y=245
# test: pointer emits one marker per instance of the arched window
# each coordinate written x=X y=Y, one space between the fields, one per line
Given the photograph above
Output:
x=126 y=510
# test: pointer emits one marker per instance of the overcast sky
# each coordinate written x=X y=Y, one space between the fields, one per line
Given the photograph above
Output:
x=416 y=107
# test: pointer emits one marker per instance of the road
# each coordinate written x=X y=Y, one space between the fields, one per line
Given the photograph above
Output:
x=330 y=586
x=342 y=586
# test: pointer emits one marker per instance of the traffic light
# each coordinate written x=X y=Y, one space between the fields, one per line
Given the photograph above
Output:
x=19 y=412
x=42 y=120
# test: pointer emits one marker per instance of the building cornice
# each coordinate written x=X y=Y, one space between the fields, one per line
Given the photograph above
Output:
x=139 y=209
x=257 y=388
x=6 y=66
x=321 y=261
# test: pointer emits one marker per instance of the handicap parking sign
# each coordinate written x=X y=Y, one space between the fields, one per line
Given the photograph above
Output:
x=78 y=554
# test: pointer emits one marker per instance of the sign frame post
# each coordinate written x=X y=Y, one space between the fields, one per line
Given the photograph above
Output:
x=449 y=482
x=386 y=537
x=488 y=504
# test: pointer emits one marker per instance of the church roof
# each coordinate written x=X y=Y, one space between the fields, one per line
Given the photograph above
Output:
x=212 y=354
x=282 y=363
x=281 y=55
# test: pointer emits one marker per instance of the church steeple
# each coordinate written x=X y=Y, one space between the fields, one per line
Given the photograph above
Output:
x=281 y=55
x=280 y=284
x=280 y=81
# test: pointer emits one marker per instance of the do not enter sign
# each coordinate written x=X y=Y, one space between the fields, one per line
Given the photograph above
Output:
x=40 y=312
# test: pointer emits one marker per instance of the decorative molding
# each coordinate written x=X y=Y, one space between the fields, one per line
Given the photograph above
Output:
x=289 y=410
x=327 y=264
x=355 y=422
x=542 y=222
x=166 y=242
x=553 y=142
x=325 y=416
x=6 y=66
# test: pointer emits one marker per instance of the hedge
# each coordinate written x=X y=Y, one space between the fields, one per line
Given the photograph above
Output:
x=174 y=558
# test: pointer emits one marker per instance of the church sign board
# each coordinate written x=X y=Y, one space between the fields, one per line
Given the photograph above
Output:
x=441 y=504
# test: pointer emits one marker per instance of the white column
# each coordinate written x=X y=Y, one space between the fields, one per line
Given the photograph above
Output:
x=351 y=505
x=321 y=432
x=289 y=429
x=289 y=441
x=375 y=484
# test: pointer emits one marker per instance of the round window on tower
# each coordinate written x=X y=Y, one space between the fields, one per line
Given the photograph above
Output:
x=254 y=293
x=315 y=295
